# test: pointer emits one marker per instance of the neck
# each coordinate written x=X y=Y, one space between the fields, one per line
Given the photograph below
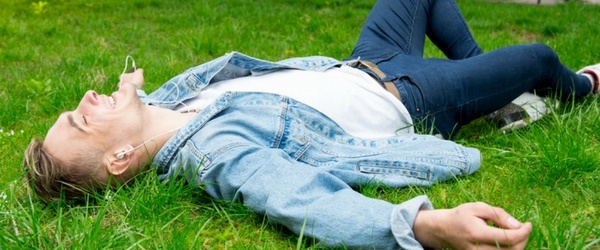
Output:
x=163 y=124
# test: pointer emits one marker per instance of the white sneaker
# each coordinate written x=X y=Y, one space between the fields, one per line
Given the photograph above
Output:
x=522 y=111
x=594 y=71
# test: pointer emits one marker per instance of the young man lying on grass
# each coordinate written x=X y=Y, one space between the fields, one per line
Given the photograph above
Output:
x=291 y=139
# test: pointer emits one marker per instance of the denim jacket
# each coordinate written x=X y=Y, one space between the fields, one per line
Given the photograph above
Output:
x=232 y=65
x=293 y=164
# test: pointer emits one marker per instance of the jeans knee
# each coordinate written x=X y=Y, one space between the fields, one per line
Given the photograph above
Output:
x=545 y=56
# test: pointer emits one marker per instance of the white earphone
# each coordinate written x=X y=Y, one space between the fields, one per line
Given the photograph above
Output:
x=121 y=155
x=133 y=67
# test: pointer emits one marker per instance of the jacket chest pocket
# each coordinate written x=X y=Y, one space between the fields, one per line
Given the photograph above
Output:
x=296 y=146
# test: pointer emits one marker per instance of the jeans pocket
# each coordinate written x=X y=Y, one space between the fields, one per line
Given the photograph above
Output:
x=412 y=96
x=383 y=57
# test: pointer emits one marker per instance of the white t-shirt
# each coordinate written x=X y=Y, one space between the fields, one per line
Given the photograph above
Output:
x=350 y=97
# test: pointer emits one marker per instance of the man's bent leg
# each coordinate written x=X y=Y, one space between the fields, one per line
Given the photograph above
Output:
x=447 y=94
x=395 y=26
x=449 y=31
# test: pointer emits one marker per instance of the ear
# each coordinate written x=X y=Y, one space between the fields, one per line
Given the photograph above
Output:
x=120 y=160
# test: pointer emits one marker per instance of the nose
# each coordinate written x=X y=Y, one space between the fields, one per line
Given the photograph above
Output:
x=90 y=99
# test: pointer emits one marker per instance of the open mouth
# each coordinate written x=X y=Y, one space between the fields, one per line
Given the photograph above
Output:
x=112 y=102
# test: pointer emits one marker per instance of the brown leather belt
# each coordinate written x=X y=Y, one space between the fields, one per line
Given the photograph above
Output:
x=388 y=85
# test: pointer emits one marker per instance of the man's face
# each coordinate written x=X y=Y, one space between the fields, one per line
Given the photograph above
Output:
x=99 y=122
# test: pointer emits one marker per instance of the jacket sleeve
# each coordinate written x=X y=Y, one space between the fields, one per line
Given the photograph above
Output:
x=310 y=201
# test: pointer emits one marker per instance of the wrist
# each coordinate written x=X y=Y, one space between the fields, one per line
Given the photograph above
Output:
x=426 y=228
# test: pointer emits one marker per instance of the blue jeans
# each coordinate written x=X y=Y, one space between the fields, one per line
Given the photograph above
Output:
x=445 y=94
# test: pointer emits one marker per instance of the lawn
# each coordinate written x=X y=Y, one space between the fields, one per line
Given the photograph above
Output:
x=51 y=52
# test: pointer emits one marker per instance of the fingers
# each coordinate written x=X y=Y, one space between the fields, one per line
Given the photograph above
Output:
x=137 y=73
x=512 y=234
x=136 y=78
x=505 y=238
x=496 y=215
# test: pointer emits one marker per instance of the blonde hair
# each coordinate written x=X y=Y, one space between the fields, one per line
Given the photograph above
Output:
x=52 y=178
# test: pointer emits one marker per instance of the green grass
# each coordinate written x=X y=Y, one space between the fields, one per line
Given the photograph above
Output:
x=50 y=55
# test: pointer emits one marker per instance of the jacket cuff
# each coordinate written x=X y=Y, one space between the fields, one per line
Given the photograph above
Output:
x=403 y=218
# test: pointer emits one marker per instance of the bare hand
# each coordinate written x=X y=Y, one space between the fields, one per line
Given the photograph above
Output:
x=466 y=227
x=136 y=78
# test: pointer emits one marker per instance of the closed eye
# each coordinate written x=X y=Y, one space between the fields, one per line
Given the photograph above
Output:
x=84 y=120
